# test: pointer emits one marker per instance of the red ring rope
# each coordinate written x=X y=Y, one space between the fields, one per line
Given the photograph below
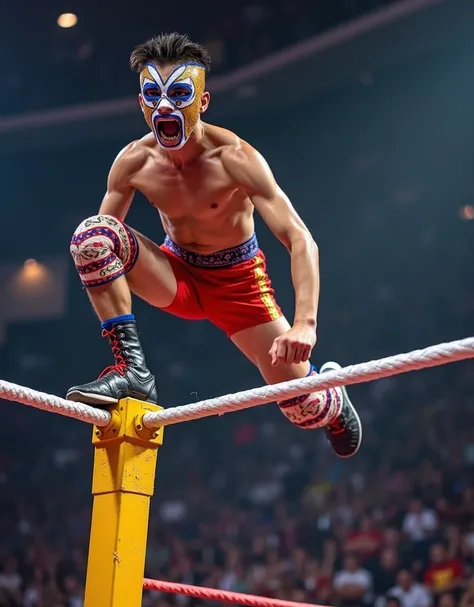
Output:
x=220 y=595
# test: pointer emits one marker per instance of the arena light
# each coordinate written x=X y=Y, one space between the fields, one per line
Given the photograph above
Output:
x=33 y=271
x=67 y=20
x=466 y=212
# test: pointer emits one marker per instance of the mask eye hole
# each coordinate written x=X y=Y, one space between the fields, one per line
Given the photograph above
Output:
x=151 y=91
x=180 y=91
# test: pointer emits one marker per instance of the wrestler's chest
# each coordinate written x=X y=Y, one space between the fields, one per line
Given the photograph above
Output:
x=189 y=195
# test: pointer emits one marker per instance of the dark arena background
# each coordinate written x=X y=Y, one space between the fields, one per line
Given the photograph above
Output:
x=364 y=110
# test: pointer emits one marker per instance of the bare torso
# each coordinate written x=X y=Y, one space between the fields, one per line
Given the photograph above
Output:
x=201 y=206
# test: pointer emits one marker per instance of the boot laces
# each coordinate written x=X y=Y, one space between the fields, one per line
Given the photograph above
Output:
x=337 y=426
x=120 y=362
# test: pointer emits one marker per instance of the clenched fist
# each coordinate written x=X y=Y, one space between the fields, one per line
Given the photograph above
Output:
x=294 y=346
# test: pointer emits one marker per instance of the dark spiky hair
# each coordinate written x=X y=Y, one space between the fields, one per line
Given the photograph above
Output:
x=169 y=49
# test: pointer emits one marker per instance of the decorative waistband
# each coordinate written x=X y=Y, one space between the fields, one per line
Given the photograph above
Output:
x=220 y=259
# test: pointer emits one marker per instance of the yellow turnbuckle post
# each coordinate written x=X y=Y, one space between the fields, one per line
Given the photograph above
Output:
x=122 y=484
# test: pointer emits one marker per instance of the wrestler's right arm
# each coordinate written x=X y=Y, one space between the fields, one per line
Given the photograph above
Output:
x=120 y=191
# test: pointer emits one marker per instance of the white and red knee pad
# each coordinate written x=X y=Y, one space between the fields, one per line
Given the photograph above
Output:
x=103 y=248
x=313 y=410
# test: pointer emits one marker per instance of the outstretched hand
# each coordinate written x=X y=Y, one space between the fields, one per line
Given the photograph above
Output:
x=294 y=346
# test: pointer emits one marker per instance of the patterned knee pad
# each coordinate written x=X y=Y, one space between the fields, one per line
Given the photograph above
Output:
x=103 y=248
x=316 y=410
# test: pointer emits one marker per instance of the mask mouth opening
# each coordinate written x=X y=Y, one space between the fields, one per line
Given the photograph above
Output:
x=169 y=131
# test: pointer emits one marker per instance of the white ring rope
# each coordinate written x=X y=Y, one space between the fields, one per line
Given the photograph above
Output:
x=55 y=404
x=354 y=374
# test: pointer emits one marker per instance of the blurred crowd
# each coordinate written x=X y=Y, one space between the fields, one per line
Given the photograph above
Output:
x=393 y=526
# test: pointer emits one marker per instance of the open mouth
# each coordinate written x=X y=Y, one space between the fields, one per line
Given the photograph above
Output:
x=169 y=131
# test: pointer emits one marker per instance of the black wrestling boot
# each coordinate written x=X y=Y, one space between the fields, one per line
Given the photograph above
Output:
x=128 y=377
x=345 y=433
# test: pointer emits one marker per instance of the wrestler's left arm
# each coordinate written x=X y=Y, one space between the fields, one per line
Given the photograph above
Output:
x=253 y=173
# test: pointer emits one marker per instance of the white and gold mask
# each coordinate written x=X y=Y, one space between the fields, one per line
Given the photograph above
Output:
x=171 y=106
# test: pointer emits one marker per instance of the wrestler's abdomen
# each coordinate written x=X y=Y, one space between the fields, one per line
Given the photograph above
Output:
x=208 y=235
x=206 y=218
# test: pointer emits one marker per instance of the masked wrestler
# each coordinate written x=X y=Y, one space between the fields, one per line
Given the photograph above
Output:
x=205 y=182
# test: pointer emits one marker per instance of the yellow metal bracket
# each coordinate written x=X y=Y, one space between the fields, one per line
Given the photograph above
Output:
x=123 y=482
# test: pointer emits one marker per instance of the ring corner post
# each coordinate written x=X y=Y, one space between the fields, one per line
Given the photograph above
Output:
x=125 y=458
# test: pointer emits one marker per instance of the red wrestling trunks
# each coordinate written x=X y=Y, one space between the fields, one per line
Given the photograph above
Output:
x=230 y=288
